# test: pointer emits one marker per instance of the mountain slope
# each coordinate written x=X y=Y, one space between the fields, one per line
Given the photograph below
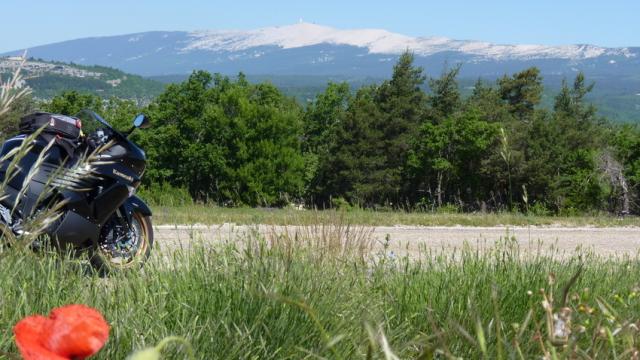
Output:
x=308 y=49
x=48 y=79
x=383 y=42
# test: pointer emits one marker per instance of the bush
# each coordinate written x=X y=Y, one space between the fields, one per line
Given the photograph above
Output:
x=539 y=209
x=165 y=195
x=448 y=209
x=340 y=203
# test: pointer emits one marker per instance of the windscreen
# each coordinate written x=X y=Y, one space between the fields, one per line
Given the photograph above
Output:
x=91 y=122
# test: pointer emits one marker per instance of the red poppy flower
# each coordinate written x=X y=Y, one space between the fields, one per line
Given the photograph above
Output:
x=70 y=332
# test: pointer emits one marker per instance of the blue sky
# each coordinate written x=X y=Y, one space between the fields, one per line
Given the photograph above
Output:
x=25 y=23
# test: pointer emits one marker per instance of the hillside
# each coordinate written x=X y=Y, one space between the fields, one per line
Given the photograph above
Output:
x=48 y=78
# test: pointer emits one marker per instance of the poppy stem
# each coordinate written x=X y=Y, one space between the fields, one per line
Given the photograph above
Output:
x=184 y=343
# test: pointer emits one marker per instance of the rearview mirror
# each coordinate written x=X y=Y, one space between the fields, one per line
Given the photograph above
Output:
x=141 y=121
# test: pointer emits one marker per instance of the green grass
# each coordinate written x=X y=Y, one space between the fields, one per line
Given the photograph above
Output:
x=203 y=214
x=309 y=298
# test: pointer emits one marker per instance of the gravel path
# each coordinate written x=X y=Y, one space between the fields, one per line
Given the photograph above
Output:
x=415 y=239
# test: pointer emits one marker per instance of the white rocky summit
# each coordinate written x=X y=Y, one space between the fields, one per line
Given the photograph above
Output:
x=383 y=42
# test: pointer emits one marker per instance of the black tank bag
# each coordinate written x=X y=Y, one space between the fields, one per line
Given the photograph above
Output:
x=65 y=129
x=64 y=126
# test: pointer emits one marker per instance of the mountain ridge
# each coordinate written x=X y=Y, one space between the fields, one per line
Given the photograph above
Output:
x=306 y=48
x=379 y=41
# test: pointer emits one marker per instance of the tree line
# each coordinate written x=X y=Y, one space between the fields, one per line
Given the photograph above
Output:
x=410 y=142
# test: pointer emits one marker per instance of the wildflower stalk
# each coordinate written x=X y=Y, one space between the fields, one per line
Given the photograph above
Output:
x=498 y=322
x=9 y=92
x=155 y=353
x=176 y=339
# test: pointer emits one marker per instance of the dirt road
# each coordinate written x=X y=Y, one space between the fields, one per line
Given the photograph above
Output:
x=414 y=239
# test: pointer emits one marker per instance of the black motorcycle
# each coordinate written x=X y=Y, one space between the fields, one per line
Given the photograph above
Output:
x=80 y=189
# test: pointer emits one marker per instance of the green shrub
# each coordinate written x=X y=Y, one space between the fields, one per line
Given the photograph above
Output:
x=448 y=209
x=539 y=209
x=165 y=195
x=340 y=203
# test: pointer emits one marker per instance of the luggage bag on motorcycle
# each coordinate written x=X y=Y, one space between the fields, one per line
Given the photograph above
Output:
x=65 y=126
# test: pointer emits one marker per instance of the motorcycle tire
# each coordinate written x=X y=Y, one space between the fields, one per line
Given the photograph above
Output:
x=104 y=263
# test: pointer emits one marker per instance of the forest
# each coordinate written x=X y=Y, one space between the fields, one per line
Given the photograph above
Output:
x=411 y=142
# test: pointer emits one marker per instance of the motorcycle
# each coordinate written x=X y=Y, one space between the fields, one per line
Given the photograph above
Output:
x=83 y=187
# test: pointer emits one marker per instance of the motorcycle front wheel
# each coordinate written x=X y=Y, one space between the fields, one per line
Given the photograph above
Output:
x=121 y=247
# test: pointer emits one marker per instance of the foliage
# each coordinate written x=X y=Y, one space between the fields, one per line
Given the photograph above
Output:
x=163 y=194
x=227 y=141
x=447 y=215
x=445 y=99
x=109 y=83
x=246 y=299
x=396 y=144
x=118 y=112
x=72 y=102
x=448 y=156
x=322 y=116
x=321 y=120
x=401 y=103
x=370 y=146
x=9 y=121
x=522 y=92
x=132 y=87
x=391 y=145
x=13 y=100
x=350 y=168
x=626 y=143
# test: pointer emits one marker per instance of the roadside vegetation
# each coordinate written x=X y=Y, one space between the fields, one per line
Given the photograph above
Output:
x=214 y=215
x=322 y=294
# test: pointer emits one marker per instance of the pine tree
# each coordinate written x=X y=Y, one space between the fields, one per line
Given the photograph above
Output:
x=522 y=91
x=402 y=104
x=351 y=167
x=445 y=99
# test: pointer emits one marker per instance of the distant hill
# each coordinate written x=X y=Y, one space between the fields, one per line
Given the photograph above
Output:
x=48 y=78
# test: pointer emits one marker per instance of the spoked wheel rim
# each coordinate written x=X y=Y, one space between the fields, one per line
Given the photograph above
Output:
x=130 y=252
